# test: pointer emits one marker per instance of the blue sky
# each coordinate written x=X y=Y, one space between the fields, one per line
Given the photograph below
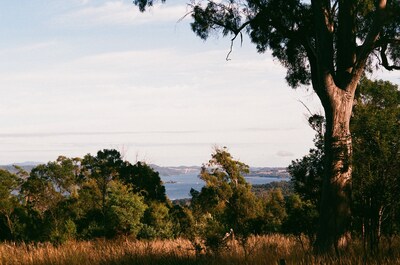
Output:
x=77 y=76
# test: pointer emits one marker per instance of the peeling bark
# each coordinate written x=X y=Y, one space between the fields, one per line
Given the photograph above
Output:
x=335 y=209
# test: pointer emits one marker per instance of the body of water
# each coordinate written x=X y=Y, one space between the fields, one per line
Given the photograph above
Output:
x=178 y=187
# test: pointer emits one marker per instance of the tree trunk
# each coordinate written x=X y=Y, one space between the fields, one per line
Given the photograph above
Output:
x=335 y=210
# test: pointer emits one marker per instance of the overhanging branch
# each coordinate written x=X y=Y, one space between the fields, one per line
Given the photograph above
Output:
x=385 y=62
x=372 y=36
x=237 y=32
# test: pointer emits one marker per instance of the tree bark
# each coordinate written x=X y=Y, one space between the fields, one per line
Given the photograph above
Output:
x=335 y=209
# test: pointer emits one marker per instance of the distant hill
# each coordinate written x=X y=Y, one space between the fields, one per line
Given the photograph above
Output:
x=173 y=171
x=271 y=172
x=27 y=166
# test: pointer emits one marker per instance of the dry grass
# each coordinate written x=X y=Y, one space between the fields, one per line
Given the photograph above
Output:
x=259 y=250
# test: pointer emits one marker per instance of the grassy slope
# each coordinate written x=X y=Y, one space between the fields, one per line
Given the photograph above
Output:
x=261 y=250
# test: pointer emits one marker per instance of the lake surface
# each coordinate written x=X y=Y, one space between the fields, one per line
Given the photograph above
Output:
x=182 y=184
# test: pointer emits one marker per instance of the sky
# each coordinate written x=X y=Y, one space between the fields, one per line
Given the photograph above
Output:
x=78 y=76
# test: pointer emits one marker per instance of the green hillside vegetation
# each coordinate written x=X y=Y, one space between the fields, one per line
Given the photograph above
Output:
x=100 y=209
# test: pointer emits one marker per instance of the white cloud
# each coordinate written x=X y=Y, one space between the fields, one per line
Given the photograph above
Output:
x=120 y=13
x=31 y=47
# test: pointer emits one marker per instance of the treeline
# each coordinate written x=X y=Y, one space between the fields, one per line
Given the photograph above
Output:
x=103 y=196
x=83 y=198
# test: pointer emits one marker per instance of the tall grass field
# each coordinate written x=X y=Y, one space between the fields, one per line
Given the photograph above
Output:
x=272 y=249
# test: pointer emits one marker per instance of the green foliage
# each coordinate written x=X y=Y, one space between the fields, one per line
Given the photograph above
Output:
x=64 y=231
x=302 y=218
x=157 y=221
x=225 y=203
x=9 y=185
x=74 y=198
x=242 y=209
x=125 y=210
x=274 y=212
x=183 y=220
x=291 y=30
x=144 y=180
x=286 y=187
x=376 y=163
x=376 y=127
x=103 y=168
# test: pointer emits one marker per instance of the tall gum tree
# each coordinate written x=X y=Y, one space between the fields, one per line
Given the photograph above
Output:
x=323 y=43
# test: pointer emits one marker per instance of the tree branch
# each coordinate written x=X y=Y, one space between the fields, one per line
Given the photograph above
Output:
x=385 y=62
x=238 y=32
x=372 y=36
x=370 y=42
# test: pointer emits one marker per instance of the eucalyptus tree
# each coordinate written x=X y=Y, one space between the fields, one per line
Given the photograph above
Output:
x=226 y=199
x=375 y=127
x=328 y=44
x=145 y=180
x=99 y=171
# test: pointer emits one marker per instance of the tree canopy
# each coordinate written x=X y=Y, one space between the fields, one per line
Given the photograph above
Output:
x=346 y=35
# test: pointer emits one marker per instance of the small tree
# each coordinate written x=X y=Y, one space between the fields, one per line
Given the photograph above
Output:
x=125 y=210
x=274 y=213
x=157 y=222
x=226 y=198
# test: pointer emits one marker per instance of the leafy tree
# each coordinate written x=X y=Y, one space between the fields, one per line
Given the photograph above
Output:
x=39 y=191
x=144 y=180
x=183 y=220
x=62 y=174
x=157 y=222
x=328 y=44
x=274 y=212
x=302 y=218
x=125 y=210
x=376 y=127
x=9 y=185
x=59 y=224
x=102 y=168
x=226 y=199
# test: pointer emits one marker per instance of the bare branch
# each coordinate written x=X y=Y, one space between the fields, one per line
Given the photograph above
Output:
x=184 y=16
x=230 y=49
x=309 y=111
x=237 y=32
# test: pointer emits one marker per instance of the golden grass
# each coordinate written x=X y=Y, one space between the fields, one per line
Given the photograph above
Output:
x=259 y=250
